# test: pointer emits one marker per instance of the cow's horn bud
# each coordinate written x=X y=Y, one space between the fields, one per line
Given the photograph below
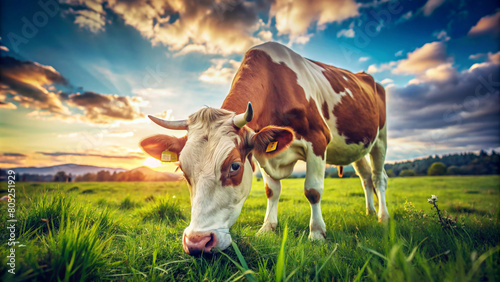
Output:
x=170 y=124
x=244 y=118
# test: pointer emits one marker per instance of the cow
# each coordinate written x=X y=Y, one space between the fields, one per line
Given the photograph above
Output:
x=281 y=108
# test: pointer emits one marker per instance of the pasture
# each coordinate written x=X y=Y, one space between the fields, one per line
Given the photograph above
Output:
x=133 y=232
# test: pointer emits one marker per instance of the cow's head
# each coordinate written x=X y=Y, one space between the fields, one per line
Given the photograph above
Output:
x=216 y=159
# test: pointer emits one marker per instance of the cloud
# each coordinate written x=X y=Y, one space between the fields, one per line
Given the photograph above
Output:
x=87 y=14
x=13 y=155
x=89 y=19
x=294 y=18
x=477 y=56
x=430 y=55
x=487 y=25
x=7 y=159
x=380 y=68
x=363 y=59
x=30 y=84
x=3 y=48
x=101 y=108
x=430 y=62
x=221 y=72
x=128 y=156
x=430 y=6
x=441 y=35
x=459 y=111
x=212 y=27
x=387 y=81
x=346 y=33
x=7 y=105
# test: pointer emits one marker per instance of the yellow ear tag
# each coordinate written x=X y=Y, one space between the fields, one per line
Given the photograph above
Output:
x=168 y=157
x=271 y=147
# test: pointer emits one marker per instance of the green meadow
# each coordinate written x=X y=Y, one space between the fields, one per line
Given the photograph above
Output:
x=133 y=231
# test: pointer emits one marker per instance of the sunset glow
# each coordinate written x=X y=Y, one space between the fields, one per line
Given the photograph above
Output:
x=152 y=162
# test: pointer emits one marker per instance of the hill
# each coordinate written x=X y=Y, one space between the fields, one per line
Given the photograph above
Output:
x=74 y=169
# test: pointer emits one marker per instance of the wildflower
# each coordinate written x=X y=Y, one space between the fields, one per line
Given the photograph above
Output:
x=433 y=199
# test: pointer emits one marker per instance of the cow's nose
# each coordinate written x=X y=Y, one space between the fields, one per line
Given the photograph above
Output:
x=195 y=244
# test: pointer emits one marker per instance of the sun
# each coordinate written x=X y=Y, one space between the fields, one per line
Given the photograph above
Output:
x=152 y=162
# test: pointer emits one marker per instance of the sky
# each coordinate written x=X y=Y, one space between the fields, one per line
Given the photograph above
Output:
x=78 y=78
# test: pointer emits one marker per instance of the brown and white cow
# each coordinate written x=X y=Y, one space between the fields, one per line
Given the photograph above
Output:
x=315 y=112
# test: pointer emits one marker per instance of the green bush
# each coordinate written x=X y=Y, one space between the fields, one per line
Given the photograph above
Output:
x=437 y=168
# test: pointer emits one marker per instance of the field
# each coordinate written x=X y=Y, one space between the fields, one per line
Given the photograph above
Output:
x=133 y=231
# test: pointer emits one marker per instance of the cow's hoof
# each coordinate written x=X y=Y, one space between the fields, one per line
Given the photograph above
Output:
x=319 y=236
x=267 y=227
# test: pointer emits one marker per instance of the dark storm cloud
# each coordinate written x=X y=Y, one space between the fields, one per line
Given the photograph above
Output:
x=30 y=82
x=461 y=111
x=100 y=108
x=32 y=85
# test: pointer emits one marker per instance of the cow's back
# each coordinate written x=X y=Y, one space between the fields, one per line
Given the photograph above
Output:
x=326 y=106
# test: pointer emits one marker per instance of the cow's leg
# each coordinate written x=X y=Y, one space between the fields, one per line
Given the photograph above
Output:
x=363 y=170
x=379 y=176
x=313 y=189
x=273 y=191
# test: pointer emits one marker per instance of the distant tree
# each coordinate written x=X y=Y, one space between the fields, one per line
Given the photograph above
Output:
x=407 y=172
x=437 y=168
x=103 y=175
x=88 y=177
x=60 y=176
x=453 y=170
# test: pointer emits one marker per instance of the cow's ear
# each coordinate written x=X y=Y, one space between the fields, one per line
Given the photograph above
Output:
x=156 y=144
x=272 y=140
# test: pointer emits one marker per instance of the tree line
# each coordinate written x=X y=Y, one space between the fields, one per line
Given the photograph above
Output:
x=62 y=176
x=104 y=176
x=453 y=164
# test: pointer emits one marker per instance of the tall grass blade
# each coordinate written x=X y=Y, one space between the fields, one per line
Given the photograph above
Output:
x=480 y=260
x=360 y=272
x=280 y=264
x=248 y=273
x=373 y=252
x=326 y=261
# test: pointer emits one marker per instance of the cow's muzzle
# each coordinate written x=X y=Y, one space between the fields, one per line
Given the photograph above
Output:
x=197 y=243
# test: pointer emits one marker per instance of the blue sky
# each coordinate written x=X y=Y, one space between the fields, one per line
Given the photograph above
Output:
x=78 y=77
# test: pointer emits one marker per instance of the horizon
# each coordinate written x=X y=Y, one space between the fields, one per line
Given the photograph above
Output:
x=78 y=78
x=300 y=168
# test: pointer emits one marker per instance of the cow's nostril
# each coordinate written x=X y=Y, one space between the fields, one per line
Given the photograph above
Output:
x=211 y=243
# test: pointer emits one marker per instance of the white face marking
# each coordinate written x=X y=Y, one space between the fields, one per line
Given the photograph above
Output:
x=214 y=207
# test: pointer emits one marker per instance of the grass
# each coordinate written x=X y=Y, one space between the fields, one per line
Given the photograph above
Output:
x=133 y=231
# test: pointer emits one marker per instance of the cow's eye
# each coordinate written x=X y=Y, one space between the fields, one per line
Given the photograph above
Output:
x=235 y=168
